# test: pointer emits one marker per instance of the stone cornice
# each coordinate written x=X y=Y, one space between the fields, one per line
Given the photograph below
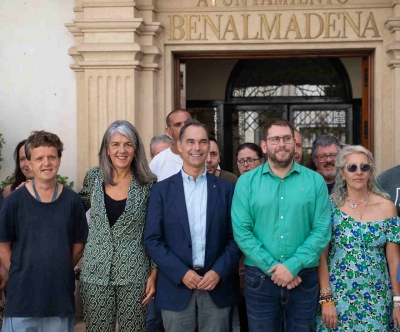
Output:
x=88 y=4
x=121 y=55
x=393 y=24
x=137 y=25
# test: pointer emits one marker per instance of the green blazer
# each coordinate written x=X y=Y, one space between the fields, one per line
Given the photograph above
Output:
x=116 y=255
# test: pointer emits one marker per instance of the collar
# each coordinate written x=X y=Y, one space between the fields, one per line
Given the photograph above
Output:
x=295 y=168
x=189 y=178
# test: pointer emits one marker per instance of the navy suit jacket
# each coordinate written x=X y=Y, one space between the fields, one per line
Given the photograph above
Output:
x=168 y=241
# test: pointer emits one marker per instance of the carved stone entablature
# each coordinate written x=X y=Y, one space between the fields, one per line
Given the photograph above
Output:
x=118 y=55
x=109 y=42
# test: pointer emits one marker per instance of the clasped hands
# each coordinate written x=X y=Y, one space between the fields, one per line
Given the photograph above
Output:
x=193 y=281
x=283 y=277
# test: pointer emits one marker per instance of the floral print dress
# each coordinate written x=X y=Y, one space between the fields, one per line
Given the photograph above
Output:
x=358 y=273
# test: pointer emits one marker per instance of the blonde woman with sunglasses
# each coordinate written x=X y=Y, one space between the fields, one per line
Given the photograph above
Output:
x=357 y=272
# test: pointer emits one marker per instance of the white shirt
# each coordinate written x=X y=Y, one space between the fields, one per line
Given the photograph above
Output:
x=166 y=164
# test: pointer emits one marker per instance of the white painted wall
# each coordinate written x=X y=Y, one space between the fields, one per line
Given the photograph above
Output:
x=37 y=87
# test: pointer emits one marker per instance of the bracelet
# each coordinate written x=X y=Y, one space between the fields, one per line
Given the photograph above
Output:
x=326 y=300
x=396 y=298
x=327 y=289
x=327 y=304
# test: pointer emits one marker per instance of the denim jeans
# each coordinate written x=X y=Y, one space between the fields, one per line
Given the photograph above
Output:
x=273 y=308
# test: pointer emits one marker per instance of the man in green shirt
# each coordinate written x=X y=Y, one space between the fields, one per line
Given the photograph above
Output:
x=281 y=222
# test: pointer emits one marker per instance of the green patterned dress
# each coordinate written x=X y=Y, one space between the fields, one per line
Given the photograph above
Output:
x=358 y=273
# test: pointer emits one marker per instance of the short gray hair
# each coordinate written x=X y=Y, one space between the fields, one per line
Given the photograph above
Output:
x=139 y=166
x=325 y=140
x=160 y=139
x=340 y=188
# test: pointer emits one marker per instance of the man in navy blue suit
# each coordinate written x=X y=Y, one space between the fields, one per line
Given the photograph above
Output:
x=189 y=236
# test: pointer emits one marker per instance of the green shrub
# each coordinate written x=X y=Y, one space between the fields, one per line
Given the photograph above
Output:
x=60 y=179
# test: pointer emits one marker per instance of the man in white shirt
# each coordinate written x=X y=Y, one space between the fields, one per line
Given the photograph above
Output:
x=169 y=161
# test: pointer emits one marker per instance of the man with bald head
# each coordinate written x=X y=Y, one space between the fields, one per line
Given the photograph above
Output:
x=169 y=161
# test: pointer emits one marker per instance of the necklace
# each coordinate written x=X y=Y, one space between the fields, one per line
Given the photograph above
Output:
x=360 y=214
x=354 y=205
x=37 y=194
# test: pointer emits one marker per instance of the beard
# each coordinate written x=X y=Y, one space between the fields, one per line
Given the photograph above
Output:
x=328 y=175
x=278 y=161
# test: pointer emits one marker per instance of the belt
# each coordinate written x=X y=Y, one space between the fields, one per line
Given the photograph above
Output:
x=200 y=271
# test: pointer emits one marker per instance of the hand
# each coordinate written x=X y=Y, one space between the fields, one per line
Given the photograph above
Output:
x=150 y=290
x=242 y=284
x=210 y=280
x=3 y=276
x=396 y=316
x=294 y=283
x=191 y=279
x=329 y=316
x=282 y=276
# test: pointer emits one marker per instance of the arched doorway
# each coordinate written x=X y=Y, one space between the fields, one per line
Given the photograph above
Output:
x=314 y=94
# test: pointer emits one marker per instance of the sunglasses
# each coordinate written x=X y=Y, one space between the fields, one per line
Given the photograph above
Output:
x=363 y=167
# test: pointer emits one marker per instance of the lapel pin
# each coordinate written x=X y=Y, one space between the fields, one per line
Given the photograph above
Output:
x=215 y=186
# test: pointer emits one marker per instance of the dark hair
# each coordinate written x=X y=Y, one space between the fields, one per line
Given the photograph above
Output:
x=139 y=166
x=43 y=138
x=212 y=139
x=193 y=122
x=19 y=177
x=325 y=140
x=277 y=122
x=173 y=112
x=250 y=146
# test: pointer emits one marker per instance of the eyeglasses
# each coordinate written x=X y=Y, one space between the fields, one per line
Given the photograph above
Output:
x=249 y=161
x=275 y=140
x=363 y=167
x=323 y=157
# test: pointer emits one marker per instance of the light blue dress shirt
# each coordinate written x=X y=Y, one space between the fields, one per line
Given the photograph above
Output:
x=196 y=205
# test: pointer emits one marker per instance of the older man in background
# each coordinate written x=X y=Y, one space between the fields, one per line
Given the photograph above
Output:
x=160 y=143
x=169 y=161
x=324 y=151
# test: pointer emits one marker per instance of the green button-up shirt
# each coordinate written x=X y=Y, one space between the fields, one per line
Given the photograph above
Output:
x=281 y=220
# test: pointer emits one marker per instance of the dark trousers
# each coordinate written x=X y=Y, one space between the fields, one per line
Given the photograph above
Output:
x=273 y=308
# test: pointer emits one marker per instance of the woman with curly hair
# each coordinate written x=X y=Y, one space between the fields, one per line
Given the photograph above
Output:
x=358 y=269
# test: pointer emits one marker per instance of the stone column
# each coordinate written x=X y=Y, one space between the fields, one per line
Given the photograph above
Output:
x=116 y=62
x=393 y=49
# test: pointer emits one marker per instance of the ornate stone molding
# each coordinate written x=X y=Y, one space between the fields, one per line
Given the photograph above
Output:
x=393 y=49
x=116 y=59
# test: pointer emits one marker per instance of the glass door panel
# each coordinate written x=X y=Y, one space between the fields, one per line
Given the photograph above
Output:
x=313 y=121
